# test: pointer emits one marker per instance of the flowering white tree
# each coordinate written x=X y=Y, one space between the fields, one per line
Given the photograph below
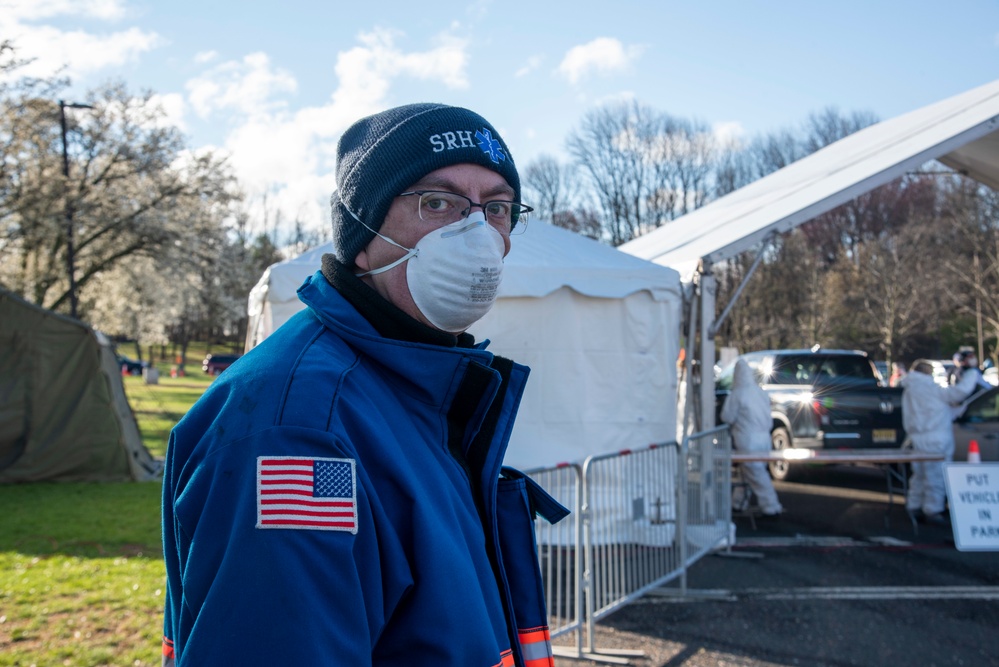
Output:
x=130 y=189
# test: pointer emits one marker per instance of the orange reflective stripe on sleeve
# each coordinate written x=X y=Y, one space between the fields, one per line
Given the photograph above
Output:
x=167 y=647
x=536 y=645
x=506 y=659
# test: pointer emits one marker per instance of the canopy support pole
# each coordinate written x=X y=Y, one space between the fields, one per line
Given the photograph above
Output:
x=738 y=291
x=709 y=288
x=690 y=417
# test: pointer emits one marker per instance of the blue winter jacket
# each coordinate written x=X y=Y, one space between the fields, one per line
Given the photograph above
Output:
x=316 y=511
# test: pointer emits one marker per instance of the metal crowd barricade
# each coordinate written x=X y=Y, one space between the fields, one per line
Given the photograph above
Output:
x=560 y=554
x=640 y=519
x=631 y=522
x=706 y=494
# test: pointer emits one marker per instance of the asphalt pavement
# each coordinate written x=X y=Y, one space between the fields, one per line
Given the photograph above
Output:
x=841 y=578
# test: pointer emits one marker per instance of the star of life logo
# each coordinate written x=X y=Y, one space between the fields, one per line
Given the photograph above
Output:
x=448 y=141
x=490 y=146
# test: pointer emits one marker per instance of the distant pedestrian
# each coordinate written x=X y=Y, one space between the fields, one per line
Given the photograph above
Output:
x=747 y=411
x=954 y=371
x=968 y=364
x=927 y=413
x=897 y=373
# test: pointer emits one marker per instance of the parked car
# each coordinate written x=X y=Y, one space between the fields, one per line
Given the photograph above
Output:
x=822 y=399
x=979 y=422
x=131 y=366
x=941 y=371
x=216 y=363
x=883 y=371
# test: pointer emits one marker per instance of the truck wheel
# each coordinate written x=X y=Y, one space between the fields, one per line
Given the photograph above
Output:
x=781 y=439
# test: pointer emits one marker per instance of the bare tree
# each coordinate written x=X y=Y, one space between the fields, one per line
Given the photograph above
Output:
x=583 y=221
x=607 y=148
x=892 y=287
x=972 y=265
x=733 y=169
x=645 y=167
x=780 y=306
x=683 y=155
x=773 y=151
x=830 y=125
x=558 y=196
x=550 y=186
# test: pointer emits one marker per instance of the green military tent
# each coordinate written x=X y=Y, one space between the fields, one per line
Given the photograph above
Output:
x=63 y=411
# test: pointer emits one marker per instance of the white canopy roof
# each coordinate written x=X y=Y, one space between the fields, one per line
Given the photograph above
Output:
x=547 y=258
x=960 y=132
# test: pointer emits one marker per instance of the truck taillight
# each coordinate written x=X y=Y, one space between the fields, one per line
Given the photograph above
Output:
x=821 y=409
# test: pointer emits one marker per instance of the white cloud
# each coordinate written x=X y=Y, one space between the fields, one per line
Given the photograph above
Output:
x=173 y=107
x=266 y=151
x=729 y=132
x=250 y=86
x=73 y=52
x=603 y=55
x=283 y=160
x=81 y=52
x=366 y=70
x=31 y=10
x=290 y=155
x=205 y=57
x=533 y=63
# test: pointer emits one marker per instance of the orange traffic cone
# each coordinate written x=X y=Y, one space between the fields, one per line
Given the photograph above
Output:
x=974 y=456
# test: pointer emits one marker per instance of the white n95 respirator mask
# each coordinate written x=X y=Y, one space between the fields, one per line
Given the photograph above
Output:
x=454 y=272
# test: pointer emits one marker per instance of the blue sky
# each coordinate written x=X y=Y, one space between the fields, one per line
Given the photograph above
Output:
x=274 y=84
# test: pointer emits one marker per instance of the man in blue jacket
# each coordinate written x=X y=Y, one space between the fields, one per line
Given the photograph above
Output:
x=337 y=496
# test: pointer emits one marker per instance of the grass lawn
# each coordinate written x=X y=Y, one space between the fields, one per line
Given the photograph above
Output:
x=81 y=568
x=158 y=407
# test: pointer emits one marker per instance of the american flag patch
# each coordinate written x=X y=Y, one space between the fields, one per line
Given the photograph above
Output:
x=309 y=493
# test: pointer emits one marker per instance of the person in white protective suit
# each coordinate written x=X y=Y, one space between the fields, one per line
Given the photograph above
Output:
x=747 y=411
x=927 y=412
x=968 y=365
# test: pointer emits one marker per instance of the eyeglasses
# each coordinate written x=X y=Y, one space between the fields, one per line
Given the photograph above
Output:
x=444 y=208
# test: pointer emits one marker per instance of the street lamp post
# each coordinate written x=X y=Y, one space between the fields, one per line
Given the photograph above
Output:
x=70 y=250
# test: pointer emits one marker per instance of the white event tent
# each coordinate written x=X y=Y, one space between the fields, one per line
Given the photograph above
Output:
x=962 y=132
x=599 y=328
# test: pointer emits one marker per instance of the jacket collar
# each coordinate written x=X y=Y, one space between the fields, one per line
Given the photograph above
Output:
x=428 y=371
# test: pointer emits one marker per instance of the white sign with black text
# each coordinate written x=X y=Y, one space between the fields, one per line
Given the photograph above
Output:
x=973 y=493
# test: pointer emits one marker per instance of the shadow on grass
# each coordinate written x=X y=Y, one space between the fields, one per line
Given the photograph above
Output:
x=81 y=519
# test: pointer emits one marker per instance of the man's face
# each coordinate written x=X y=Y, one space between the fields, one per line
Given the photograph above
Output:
x=404 y=226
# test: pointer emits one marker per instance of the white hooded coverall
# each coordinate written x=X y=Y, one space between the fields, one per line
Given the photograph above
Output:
x=747 y=411
x=927 y=413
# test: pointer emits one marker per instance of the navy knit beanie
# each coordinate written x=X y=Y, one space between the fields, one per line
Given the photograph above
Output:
x=381 y=155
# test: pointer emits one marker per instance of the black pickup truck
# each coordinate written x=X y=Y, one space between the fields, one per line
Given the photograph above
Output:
x=831 y=399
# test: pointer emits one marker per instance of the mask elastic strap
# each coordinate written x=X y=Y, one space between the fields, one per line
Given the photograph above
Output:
x=410 y=252
x=409 y=255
